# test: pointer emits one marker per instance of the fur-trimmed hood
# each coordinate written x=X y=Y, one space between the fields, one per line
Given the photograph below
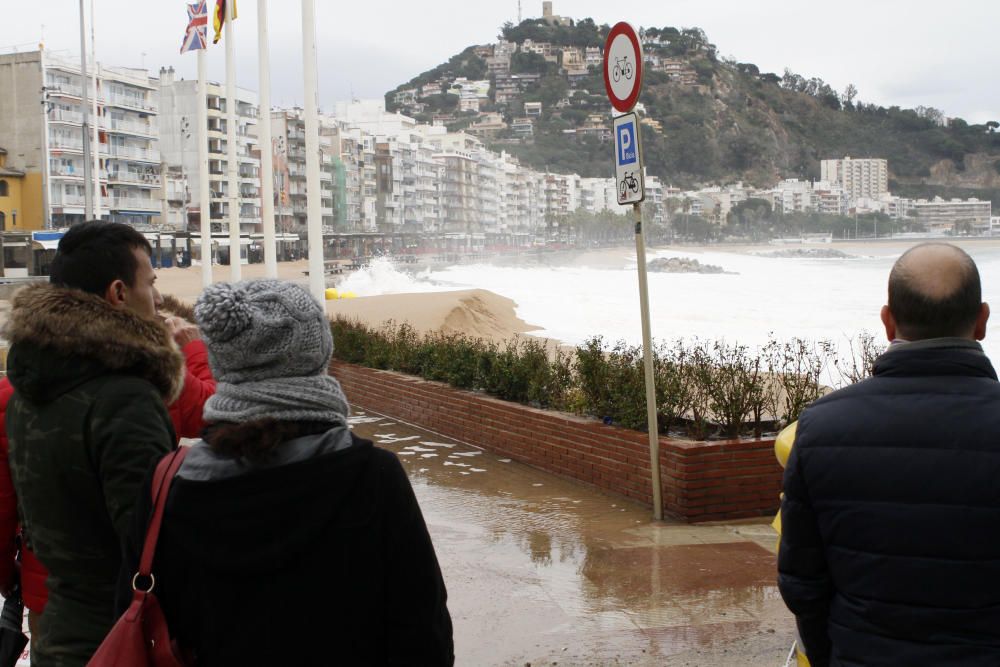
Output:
x=69 y=324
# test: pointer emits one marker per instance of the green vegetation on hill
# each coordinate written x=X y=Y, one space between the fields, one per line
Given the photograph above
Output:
x=722 y=121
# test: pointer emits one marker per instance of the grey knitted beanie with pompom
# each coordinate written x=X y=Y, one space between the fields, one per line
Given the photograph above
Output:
x=260 y=329
x=269 y=347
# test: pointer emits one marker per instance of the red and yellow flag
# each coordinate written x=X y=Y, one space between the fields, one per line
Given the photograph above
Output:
x=219 y=16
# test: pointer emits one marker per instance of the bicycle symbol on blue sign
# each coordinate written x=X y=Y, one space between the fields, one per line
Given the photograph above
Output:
x=627 y=150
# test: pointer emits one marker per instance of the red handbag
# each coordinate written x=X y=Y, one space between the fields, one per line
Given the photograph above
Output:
x=140 y=638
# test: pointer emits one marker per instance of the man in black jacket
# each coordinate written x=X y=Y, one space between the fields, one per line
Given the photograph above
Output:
x=890 y=546
x=93 y=370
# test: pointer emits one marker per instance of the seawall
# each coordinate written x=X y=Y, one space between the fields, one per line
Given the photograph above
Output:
x=701 y=481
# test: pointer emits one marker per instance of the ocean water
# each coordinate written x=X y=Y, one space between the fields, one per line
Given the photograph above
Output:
x=813 y=299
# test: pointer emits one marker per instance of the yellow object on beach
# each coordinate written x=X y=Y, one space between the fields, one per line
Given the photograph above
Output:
x=332 y=294
x=783 y=443
x=783 y=449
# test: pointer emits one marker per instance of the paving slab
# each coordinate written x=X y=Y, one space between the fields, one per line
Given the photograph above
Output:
x=541 y=570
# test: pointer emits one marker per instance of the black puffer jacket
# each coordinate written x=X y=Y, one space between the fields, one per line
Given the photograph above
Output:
x=890 y=550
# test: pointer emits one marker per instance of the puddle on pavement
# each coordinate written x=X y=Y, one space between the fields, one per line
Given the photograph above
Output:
x=542 y=569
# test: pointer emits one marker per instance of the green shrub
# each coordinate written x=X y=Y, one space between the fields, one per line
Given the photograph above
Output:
x=707 y=388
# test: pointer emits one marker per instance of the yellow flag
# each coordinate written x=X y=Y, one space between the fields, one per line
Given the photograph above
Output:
x=219 y=17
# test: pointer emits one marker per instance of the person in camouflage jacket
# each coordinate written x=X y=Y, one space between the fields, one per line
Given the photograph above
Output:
x=92 y=373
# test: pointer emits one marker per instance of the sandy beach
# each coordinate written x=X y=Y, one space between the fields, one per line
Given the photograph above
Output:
x=478 y=313
x=475 y=312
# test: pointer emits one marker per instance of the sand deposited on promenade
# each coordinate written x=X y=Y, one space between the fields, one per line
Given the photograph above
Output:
x=474 y=312
x=186 y=284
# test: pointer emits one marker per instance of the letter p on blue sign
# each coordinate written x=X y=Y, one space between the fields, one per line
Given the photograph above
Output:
x=627 y=153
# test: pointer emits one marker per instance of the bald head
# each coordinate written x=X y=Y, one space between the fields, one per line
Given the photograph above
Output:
x=934 y=292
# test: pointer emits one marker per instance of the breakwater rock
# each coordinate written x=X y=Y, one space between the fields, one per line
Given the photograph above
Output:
x=682 y=265
x=807 y=253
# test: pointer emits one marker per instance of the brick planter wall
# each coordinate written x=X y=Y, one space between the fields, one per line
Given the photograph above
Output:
x=701 y=481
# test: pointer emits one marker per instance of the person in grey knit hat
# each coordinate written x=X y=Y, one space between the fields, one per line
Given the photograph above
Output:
x=286 y=538
x=269 y=346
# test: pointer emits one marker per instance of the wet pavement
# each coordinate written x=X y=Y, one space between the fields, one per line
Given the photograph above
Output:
x=545 y=571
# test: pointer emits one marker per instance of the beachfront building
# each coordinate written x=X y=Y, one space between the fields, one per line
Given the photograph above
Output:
x=830 y=199
x=461 y=204
x=867 y=177
x=175 y=198
x=41 y=126
x=178 y=140
x=11 y=197
x=598 y=194
x=288 y=155
x=357 y=151
x=522 y=198
x=404 y=183
x=958 y=216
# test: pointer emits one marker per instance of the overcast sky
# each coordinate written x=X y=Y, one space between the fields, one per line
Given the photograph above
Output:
x=897 y=52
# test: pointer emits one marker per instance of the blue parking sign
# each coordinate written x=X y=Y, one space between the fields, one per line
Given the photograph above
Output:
x=629 y=179
x=626 y=144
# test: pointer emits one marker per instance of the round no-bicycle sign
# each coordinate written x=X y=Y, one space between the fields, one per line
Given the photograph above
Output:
x=623 y=67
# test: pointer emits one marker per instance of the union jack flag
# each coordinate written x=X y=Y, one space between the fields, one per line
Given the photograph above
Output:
x=196 y=36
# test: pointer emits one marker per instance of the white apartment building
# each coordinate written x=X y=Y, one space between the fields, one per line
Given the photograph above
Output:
x=41 y=125
x=461 y=191
x=830 y=199
x=598 y=194
x=522 y=197
x=357 y=151
x=867 y=177
x=562 y=193
x=405 y=176
x=792 y=195
x=942 y=215
x=178 y=102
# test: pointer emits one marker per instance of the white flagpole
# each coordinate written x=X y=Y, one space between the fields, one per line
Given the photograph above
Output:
x=264 y=132
x=317 y=283
x=235 y=269
x=88 y=200
x=205 y=203
x=96 y=144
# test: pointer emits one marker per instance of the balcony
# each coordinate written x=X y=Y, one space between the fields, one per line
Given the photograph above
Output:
x=61 y=144
x=129 y=102
x=134 y=153
x=64 y=89
x=134 y=204
x=128 y=127
x=64 y=116
x=74 y=173
x=67 y=200
x=133 y=177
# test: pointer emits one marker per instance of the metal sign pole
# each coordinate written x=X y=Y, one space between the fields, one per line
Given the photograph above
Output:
x=623 y=65
x=647 y=353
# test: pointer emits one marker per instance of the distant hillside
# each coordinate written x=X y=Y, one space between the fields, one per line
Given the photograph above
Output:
x=707 y=119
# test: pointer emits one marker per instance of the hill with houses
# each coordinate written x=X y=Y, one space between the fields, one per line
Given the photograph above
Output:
x=537 y=92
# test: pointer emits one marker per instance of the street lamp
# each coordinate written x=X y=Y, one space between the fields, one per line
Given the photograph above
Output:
x=185 y=135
